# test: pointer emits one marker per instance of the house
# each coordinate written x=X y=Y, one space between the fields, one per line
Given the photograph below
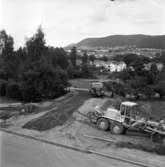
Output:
x=110 y=66
x=159 y=66
x=115 y=66
x=148 y=66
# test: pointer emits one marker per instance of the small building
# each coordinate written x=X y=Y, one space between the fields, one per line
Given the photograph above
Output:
x=148 y=66
x=115 y=66
x=110 y=66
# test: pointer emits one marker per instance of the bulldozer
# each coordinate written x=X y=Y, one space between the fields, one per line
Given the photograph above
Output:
x=128 y=116
x=97 y=89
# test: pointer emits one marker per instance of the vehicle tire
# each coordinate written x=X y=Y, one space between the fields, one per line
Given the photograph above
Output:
x=117 y=128
x=103 y=124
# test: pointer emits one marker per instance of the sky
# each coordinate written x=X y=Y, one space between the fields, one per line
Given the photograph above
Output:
x=69 y=21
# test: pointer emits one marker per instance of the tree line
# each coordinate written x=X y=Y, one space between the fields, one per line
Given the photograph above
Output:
x=36 y=71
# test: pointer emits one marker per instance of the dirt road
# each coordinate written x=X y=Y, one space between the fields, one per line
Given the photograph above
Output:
x=20 y=152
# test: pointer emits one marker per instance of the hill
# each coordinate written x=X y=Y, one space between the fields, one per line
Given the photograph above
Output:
x=140 y=41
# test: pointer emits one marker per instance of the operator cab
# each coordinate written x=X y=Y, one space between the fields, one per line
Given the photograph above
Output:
x=97 y=85
x=128 y=111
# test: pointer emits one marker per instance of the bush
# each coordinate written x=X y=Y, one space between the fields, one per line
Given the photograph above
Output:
x=160 y=89
x=13 y=91
x=116 y=87
x=124 y=75
x=50 y=83
x=86 y=71
x=30 y=93
x=3 y=85
x=71 y=71
x=148 y=91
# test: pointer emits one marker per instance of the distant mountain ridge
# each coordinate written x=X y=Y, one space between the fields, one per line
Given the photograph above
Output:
x=139 y=40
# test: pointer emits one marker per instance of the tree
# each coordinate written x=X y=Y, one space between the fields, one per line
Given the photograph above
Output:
x=34 y=72
x=71 y=71
x=36 y=45
x=86 y=71
x=73 y=56
x=85 y=58
x=58 y=57
x=152 y=74
x=130 y=58
x=138 y=66
x=7 y=43
x=92 y=58
x=43 y=76
x=7 y=63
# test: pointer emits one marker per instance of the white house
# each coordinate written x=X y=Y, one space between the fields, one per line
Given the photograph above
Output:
x=110 y=66
x=159 y=66
x=115 y=66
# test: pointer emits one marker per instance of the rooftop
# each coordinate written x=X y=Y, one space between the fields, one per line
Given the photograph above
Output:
x=128 y=103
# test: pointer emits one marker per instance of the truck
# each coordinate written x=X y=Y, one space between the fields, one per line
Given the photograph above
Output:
x=128 y=116
x=97 y=89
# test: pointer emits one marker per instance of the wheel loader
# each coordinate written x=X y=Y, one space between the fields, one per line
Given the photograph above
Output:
x=128 y=116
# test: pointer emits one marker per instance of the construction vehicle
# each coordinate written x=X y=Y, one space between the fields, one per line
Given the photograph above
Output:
x=97 y=89
x=127 y=117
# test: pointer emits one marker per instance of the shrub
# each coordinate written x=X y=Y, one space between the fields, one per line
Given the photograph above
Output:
x=13 y=91
x=50 y=83
x=160 y=89
x=86 y=71
x=30 y=93
x=3 y=85
x=116 y=87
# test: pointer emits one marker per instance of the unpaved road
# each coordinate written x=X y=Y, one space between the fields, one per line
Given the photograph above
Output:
x=21 y=152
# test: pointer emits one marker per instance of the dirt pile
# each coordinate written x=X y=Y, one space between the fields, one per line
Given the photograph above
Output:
x=60 y=115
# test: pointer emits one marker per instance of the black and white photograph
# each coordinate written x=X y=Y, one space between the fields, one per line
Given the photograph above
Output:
x=82 y=83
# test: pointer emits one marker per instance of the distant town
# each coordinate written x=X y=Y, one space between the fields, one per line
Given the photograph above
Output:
x=104 y=56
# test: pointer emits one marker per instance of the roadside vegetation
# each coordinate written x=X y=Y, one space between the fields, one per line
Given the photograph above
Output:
x=158 y=149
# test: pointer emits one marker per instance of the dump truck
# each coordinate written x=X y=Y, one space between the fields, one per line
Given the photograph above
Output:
x=97 y=89
x=128 y=116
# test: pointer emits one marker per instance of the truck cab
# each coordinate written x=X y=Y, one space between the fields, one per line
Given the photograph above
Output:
x=97 y=89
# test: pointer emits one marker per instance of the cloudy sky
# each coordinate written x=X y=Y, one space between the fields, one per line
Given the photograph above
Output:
x=69 y=21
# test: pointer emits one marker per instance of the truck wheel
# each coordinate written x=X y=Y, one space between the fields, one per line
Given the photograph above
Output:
x=117 y=128
x=103 y=124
